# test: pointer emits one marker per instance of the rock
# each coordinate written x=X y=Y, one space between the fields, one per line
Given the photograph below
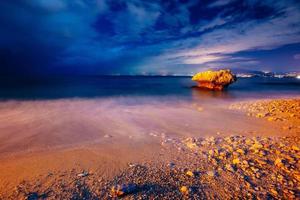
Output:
x=240 y=151
x=211 y=139
x=190 y=173
x=260 y=115
x=245 y=162
x=107 y=136
x=214 y=80
x=274 y=192
x=184 y=190
x=214 y=161
x=190 y=143
x=262 y=153
x=153 y=134
x=235 y=161
x=256 y=146
x=132 y=165
x=32 y=196
x=278 y=162
x=171 y=165
x=295 y=148
x=254 y=169
x=121 y=190
x=228 y=167
x=211 y=173
x=261 y=162
x=272 y=119
x=83 y=174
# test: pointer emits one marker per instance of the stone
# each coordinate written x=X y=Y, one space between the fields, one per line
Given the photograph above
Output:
x=132 y=165
x=107 y=136
x=211 y=152
x=272 y=119
x=190 y=143
x=295 y=148
x=228 y=167
x=260 y=115
x=261 y=162
x=235 y=161
x=83 y=174
x=245 y=162
x=121 y=190
x=211 y=173
x=32 y=196
x=256 y=146
x=214 y=161
x=190 y=173
x=184 y=190
x=214 y=80
x=171 y=165
x=248 y=141
x=254 y=169
x=274 y=192
x=240 y=151
x=278 y=162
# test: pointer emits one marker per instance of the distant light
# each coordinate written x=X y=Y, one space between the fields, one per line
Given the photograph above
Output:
x=298 y=76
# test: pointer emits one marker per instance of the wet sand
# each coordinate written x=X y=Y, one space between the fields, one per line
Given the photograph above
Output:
x=45 y=145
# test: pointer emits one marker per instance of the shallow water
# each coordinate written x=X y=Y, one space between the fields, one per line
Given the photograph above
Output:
x=39 y=114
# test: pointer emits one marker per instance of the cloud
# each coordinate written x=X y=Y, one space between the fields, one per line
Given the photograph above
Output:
x=219 y=3
x=135 y=36
x=45 y=5
x=297 y=57
x=252 y=35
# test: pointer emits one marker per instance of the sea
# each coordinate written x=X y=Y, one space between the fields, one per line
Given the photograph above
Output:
x=161 y=87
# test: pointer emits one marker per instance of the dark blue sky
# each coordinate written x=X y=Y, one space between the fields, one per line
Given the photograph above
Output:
x=142 y=37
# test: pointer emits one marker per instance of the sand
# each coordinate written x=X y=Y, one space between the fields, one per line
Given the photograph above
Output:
x=44 y=145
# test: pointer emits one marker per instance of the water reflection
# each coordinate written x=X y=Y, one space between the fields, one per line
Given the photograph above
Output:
x=204 y=94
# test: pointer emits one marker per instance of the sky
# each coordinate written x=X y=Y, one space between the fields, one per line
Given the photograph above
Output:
x=140 y=37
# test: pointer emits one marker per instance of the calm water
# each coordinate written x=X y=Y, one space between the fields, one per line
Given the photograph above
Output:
x=162 y=87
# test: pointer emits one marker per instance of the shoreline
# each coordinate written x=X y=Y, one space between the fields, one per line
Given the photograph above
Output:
x=156 y=152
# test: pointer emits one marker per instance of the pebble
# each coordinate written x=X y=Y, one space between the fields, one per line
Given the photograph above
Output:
x=121 y=190
x=295 y=148
x=211 y=173
x=229 y=167
x=235 y=161
x=278 y=162
x=107 y=136
x=190 y=143
x=240 y=151
x=273 y=191
x=83 y=174
x=132 y=165
x=171 y=165
x=184 y=190
x=190 y=173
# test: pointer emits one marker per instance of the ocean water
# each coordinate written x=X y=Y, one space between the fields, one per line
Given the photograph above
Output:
x=141 y=86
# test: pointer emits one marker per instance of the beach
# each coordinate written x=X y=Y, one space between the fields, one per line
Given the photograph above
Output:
x=80 y=148
x=149 y=100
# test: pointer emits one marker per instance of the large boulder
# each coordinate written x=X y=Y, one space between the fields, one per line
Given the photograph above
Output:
x=214 y=80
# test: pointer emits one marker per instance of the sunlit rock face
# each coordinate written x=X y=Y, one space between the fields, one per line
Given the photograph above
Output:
x=214 y=80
